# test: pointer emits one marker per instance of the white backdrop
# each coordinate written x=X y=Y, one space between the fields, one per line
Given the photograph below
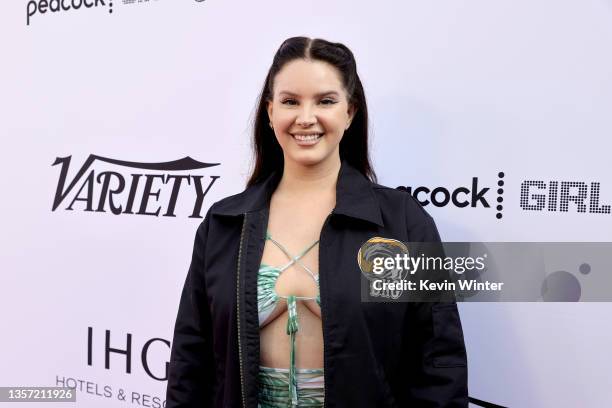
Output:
x=456 y=90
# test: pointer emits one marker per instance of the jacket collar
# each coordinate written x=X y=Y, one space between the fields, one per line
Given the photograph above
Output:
x=355 y=196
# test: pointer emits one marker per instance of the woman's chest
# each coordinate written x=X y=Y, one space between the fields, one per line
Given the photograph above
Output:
x=328 y=267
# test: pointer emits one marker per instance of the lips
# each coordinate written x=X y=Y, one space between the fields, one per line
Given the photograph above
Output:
x=307 y=139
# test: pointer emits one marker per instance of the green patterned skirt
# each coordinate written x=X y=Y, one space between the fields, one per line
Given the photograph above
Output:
x=274 y=388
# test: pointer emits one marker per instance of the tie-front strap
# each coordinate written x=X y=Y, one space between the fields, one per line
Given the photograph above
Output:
x=292 y=328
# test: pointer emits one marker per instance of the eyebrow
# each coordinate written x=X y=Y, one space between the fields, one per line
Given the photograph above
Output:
x=319 y=94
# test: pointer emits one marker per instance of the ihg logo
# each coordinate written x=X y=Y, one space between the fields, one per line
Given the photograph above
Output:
x=58 y=6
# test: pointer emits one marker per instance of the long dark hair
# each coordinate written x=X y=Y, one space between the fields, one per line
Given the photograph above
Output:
x=354 y=144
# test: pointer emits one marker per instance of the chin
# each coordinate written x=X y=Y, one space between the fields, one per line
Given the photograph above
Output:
x=308 y=159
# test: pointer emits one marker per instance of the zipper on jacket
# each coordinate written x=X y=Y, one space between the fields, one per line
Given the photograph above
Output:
x=323 y=313
x=238 y=311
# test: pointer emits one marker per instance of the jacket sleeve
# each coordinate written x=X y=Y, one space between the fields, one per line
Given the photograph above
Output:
x=434 y=359
x=191 y=371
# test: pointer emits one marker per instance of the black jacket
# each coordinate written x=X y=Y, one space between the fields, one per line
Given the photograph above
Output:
x=375 y=354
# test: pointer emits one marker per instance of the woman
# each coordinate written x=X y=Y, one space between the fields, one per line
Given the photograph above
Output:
x=271 y=313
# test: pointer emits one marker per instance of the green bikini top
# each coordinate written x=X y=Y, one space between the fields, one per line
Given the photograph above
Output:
x=267 y=300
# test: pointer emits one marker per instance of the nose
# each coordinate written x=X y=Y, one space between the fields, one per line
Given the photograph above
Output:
x=306 y=116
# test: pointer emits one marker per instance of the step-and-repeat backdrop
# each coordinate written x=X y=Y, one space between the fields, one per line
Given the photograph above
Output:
x=123 y=121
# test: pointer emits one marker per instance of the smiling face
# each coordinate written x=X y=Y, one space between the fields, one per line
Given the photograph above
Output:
x=309 y=111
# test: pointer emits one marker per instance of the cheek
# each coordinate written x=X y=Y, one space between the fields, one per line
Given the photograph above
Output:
x=335 y=123
x=284 y=121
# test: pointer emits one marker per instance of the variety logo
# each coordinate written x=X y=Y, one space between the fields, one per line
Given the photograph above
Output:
x=119 y=193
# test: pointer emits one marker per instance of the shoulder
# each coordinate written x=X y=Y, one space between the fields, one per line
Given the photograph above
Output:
x=229 y=202
x=238 y=203
x=215 y=222
x=395 y=197
x=395 y=201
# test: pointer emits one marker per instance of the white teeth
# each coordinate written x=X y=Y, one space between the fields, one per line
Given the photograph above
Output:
x=308 y=137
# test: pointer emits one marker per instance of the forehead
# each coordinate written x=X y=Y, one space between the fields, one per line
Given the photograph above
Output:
x=304 y=77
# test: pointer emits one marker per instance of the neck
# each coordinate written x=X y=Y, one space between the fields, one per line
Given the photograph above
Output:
x=298 y=180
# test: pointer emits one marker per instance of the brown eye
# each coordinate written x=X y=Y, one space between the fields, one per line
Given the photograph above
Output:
x=286 y=101
x=328 y=102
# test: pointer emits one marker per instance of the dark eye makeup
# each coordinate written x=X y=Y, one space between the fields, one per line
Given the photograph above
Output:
x=326 y=101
